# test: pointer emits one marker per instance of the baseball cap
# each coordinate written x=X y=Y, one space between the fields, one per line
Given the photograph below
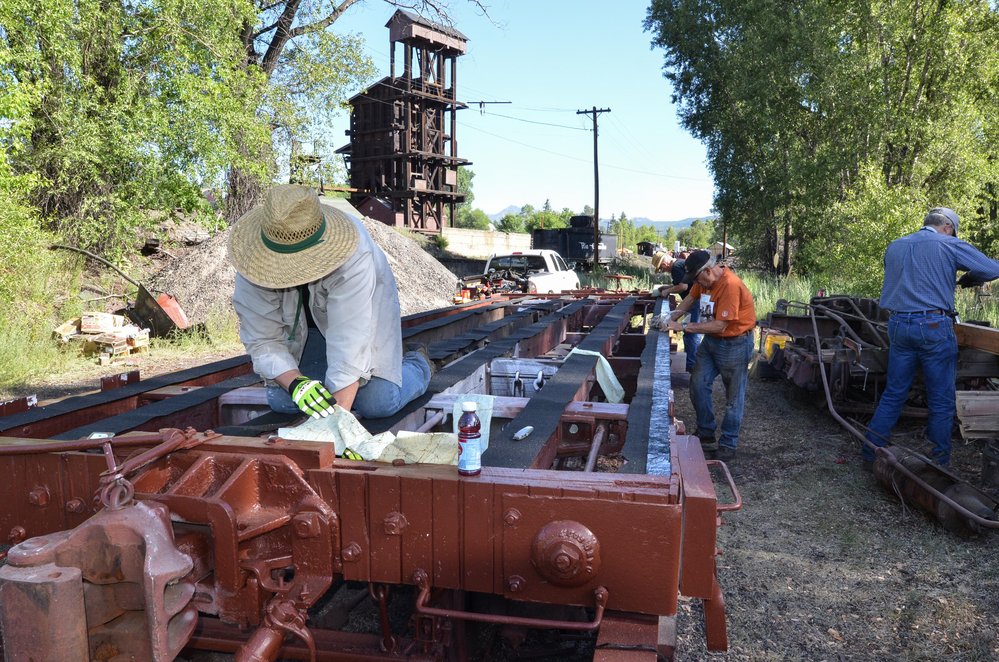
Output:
x=948 y=214
x=696 y=263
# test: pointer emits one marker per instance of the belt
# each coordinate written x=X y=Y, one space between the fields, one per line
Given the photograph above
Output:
x=741 y=335
x=932 y=311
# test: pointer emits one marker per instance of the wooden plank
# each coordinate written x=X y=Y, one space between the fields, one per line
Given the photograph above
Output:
x=478 y=562
x=355 y=540
x=384 y=523
x=418 y=541
x=446 y=571
x=980 y=337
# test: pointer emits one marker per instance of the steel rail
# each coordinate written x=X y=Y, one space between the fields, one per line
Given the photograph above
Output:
x=887 y=455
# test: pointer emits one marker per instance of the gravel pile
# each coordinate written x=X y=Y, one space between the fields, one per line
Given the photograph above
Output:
x=202 y=278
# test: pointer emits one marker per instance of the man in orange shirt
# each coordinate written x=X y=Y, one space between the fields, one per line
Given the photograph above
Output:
x=728 y=318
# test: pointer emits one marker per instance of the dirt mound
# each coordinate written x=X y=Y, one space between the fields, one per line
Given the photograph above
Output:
x=202 y=279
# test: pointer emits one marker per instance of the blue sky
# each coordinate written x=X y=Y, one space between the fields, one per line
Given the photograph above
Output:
x=551 y=58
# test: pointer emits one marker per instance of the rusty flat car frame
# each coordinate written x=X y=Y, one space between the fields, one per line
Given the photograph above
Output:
x=164 y=514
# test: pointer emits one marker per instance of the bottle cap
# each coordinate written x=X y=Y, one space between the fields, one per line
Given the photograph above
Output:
x=469 y=406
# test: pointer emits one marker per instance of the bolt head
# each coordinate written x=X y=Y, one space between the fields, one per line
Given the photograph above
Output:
x=306 y=525
x=515 y=583
x=39 y=496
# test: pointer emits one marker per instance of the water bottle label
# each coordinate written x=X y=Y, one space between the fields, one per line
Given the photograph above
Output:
x=469 y=455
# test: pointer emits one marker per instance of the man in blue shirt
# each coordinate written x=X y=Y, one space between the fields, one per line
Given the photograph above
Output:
x=918 y=291
x=677 y=271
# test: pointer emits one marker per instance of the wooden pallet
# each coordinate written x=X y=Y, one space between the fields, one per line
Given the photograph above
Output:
x=978 y=414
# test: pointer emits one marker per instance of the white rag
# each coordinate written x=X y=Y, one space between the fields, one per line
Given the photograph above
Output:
x=612 y=388
x=344 y=431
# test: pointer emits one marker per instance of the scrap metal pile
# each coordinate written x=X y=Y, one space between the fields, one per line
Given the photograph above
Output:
x=838 y=346
x=166 y=515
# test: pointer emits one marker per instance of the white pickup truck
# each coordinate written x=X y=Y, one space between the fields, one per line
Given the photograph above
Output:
x=532 y=271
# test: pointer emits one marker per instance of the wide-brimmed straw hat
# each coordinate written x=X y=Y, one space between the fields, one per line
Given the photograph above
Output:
x=291 y=239
x=658 y=259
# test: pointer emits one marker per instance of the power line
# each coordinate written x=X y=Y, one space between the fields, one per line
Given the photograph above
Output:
x=581 y=160
x=522 y=144
x=521 y=119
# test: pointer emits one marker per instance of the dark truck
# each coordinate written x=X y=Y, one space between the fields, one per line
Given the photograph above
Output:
x=575 y=243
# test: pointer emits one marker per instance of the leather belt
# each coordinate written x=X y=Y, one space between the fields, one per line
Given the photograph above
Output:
x=932 y=311
x=741 y=335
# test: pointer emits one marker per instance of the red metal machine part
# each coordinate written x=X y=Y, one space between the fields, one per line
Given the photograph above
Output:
x=250 y=533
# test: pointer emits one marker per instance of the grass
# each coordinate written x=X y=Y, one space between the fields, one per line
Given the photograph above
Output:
x=27 y=350
x=972 y=304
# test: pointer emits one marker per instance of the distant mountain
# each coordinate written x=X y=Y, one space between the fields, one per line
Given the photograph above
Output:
x=660 y=226
x=512 y=209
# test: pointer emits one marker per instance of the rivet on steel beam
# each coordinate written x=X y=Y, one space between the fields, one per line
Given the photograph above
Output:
x=75 y=506
x=511 y=517
x=39 y=496
x=394 y=523
x=515 y=583
x=351 y=552
x=306 y=525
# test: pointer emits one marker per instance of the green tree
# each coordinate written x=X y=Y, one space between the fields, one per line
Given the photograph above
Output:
x=700 y=234
x=473 y=219
x=545 y=219
x=669 y=238
x=825 y=123
x=122 y=108
x=511 y=223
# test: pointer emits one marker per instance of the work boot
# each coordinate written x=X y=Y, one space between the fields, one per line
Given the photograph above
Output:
x=420 y=348
x=725 y=454
x=709 y=443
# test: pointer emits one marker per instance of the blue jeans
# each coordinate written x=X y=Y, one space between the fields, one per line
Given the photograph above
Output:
x=730 y=359
x=376 y=399
x=691 y=341
x=927 y=341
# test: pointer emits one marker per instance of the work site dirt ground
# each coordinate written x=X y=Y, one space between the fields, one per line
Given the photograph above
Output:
x=823 y=563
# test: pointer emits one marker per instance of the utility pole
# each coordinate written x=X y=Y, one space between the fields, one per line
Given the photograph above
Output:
x=596 y=182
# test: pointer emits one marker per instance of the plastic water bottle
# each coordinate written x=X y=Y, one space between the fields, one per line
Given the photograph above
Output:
x=469 y=450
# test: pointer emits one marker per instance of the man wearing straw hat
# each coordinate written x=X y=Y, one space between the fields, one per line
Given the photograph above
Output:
x=300 y=263
x=677 y=271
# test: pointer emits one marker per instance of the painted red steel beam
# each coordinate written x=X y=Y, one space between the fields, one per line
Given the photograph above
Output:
x=699 y=578
x=535 y=339
x=544 y=411
x=48 y=421
x=449 y=343
x=196 y=408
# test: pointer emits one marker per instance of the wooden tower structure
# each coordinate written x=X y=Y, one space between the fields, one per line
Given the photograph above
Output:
x=403 y=156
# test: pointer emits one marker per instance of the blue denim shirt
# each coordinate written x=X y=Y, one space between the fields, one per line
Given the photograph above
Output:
x=920 y=269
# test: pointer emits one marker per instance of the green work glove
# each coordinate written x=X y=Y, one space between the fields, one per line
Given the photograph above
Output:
x=311 y=397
